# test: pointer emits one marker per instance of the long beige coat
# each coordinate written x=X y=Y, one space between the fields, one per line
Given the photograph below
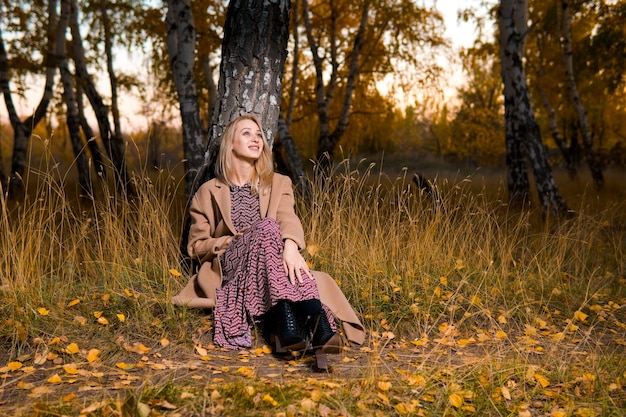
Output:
x=211 y=225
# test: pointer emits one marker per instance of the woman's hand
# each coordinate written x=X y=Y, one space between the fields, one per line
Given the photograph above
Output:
x=294 y=263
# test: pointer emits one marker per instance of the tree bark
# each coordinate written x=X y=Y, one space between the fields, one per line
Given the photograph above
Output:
x=296 y=168
x=522 y=132
x=181 y=44
x=211 y=86
x=324 y=94
x=561 y=143
x=90 y=136
x=593 y=161
x=22 y=130
x=254 y=50
x=295 y=70
x=108 y=50
x=113 y=144
x=72 y=116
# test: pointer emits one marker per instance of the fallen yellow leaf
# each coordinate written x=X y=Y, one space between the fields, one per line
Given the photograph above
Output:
x=70 y=368
x=269 y=399
x=455 y=400
x=501 y=335
x=384 y=385
x=121 y=317
x=542 y=380
x=14 y=366
x=73 y=303
x=580 y=316
x=92 y=356
x=43 y=311
x=72 y=348
x=164 y=342
x=465 y=342
x=125 y=366
x=55 y=379
x=175 y=272
x=69 y=398
x=102 y=320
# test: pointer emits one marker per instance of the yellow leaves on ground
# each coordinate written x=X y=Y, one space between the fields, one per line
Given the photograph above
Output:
x=70 y=369
x=542 y=380
x=73 y=303
x=246 y=371
x=270 y=400
x=55 y=379
x=175 y=272
x=72 y=348
x=384 y=385
x=92 y=355
x=455 y=400
x=43 y=311
x=580 y=316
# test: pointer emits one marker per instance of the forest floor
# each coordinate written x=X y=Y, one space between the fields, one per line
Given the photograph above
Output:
x=450 y=375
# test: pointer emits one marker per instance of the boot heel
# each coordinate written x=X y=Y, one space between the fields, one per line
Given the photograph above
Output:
x=321 y=361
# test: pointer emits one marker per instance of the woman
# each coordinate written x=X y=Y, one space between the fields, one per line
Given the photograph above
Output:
x=247 y=238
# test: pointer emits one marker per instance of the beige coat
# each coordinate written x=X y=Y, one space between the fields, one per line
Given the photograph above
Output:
x=211 y=225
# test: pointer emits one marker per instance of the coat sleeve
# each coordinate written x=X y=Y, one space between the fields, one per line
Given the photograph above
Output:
x=204 y=243
x=286 y=217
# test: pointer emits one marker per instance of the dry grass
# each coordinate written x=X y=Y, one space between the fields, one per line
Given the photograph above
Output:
x=464 y=301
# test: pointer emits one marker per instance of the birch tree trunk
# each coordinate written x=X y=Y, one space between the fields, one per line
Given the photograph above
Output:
x=22 y=130
x=181 y=44
x=114 y=145
x=568 y=63
x=108 y=50
x=324 y=94
x=254 y=50
x=560 y=141
x=294 y=162
x=523 y=138
x=72 y=115
x=90 y=136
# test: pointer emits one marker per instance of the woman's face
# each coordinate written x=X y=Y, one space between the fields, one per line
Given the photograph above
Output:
x=247 y=141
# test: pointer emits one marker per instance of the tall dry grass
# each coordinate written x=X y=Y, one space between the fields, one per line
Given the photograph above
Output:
x=406 y=264
x=106 y=253
x=441 y=273
x=471 y=259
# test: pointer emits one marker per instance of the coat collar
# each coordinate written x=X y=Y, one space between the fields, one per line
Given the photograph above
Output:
x=221 y=191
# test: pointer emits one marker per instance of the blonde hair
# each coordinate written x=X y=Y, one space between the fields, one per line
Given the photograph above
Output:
x=263 y=167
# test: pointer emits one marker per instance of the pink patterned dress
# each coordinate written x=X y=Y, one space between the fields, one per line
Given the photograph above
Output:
x=253 y=278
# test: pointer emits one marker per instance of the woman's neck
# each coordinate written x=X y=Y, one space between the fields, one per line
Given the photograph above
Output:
x=242 y=173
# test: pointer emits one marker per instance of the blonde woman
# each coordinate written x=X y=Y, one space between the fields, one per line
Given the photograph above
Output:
x=247 y=238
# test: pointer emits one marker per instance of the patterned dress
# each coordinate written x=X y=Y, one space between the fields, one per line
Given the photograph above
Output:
x=253 y=277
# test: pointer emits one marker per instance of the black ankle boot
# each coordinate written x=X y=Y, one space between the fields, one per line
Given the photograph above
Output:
x=287 y=327
x=324 y=337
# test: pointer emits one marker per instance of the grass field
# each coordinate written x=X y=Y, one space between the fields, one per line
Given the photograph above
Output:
x=471 y=307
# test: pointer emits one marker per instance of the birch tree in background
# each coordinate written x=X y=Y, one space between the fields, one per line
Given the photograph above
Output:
x=523 y=138
x=22 y=129
x=593 y=161
x=71 y=104
x=181 y=46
